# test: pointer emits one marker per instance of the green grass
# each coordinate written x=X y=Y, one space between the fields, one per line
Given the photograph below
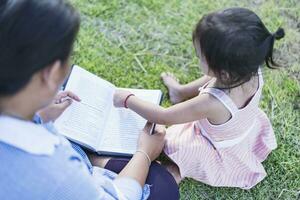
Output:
x=131 y=42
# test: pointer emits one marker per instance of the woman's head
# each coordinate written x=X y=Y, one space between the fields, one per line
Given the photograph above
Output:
x=233 y=43
x=36 y=39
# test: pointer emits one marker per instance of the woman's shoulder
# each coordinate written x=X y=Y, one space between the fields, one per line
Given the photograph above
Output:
x=30 y=176
x=61 y=159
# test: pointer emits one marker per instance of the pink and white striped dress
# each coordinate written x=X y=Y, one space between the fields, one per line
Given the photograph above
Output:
x=229 y=154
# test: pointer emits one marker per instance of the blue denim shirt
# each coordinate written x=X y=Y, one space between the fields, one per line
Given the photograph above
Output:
x=36 y=163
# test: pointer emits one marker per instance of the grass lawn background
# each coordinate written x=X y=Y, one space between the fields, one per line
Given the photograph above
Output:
x=131 y=42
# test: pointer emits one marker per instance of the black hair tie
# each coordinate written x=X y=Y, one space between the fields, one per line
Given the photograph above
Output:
x=279 y=34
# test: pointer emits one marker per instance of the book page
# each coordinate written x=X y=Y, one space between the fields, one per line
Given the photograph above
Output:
x=84 y=121
x=124 y=126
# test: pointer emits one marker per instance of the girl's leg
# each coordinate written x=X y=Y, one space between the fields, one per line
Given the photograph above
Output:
x=178 y=92
x=99 y=161
x=174 y=170
x=171 y=167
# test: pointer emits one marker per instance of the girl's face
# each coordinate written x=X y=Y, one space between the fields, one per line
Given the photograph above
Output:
x=203 y=62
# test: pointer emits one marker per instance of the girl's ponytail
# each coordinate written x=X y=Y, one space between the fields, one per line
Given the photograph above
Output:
x=279 y=34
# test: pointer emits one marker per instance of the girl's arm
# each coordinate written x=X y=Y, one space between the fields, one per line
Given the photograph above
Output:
x=193 y=109
x=191 y=89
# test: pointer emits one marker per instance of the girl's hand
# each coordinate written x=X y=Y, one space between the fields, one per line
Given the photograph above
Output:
x=62 y=101
x=152 y=144
x=120 y=97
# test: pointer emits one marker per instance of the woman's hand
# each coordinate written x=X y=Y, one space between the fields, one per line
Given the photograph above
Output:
x=152 y=144
x=62 y=101
x=120 y=97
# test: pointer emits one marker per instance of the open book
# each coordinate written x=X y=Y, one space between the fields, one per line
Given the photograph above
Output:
x=94 y=122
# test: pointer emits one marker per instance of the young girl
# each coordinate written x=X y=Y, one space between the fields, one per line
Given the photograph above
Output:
x=219 y=136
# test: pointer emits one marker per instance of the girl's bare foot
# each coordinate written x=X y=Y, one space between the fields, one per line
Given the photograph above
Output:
x=173 y=86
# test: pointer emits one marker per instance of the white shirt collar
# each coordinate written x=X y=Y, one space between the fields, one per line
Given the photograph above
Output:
x=27 y=136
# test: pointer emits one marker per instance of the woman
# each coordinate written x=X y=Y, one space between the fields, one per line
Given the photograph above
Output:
x=36 y=38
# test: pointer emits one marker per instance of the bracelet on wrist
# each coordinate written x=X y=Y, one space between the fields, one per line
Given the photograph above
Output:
x=146 y=155
x=126 y=99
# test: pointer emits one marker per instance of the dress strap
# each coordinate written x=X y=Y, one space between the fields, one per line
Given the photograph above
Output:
x=222 y=97
x=256 y=97
x=260 y=79
x=204 y=86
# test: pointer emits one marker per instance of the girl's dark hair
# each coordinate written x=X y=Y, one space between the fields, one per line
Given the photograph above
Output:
x=33 y=34
x=237 y=42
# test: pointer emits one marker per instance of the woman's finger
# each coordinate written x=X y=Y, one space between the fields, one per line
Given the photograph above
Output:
x=65 y=104
x=148 y=127
x=73 y=96
x=61 y=95
x=160 y=129
x=65 y=94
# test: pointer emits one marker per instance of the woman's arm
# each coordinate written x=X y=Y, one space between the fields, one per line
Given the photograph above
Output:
x=151 y=145
x=190 y=110
x=137 y=168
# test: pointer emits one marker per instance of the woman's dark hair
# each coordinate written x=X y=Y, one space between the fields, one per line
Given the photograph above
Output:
x=33 y=34
x=237 y=42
